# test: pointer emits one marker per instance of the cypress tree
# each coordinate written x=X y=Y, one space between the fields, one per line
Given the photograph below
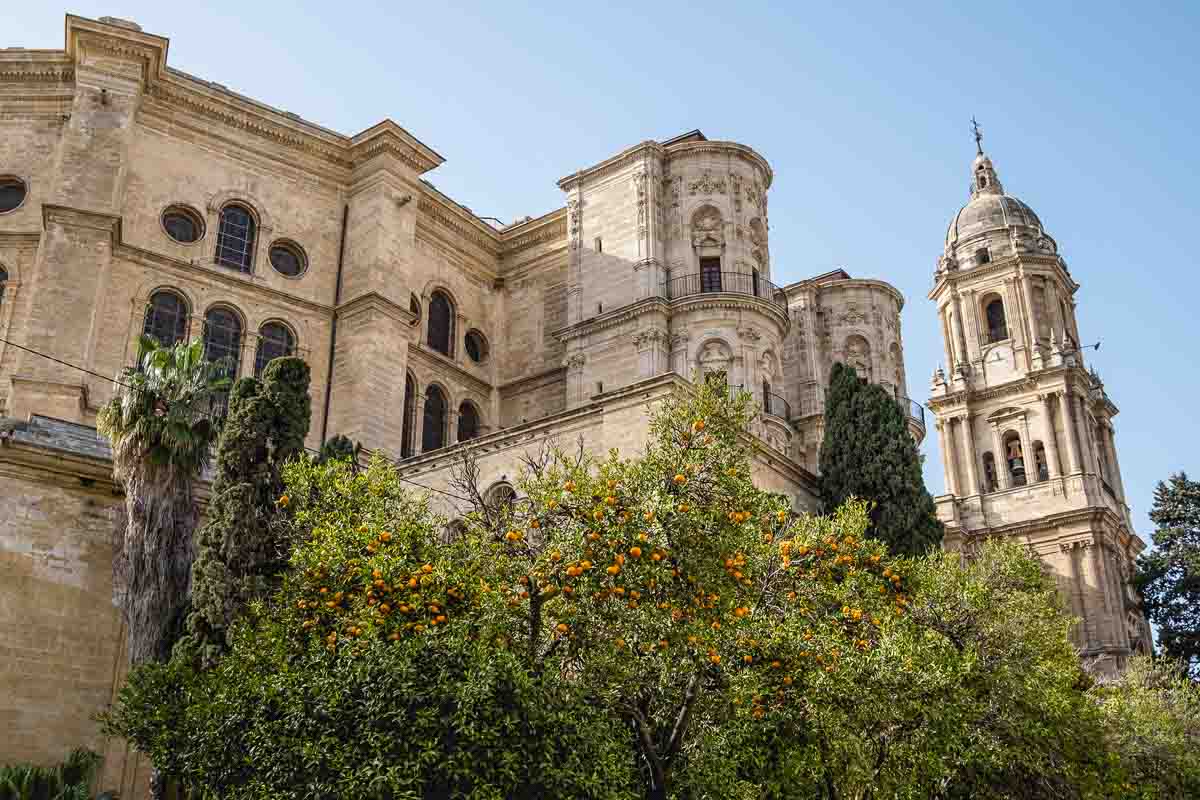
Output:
x=869 y=453
x=239 y=551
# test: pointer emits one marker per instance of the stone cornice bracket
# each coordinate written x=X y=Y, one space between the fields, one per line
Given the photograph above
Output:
x=388 y=138
x=82 y=218
x=373 y=301
x=112 y=46
x=645 y=339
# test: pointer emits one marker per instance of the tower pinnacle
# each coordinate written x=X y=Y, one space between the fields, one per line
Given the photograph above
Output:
x=978 y=136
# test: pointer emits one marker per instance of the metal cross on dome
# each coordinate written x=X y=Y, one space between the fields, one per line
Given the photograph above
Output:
x=978 y=135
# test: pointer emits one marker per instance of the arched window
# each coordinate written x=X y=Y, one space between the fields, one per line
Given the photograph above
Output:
x=989 y=472
x=3 y=282
x=1039 y=460
x=500 y=496
x=468 y=421
x=1014 y=457
x=410 y=416
x=441 y=323
x=223 y=337
x=274 y=341
x=997 y=325
x=433 y=429
x=235 y=237
x=166 y=318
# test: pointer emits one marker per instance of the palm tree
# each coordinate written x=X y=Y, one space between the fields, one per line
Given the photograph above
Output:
x=162 y=427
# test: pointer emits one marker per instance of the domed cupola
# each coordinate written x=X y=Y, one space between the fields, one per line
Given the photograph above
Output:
x=989 y=209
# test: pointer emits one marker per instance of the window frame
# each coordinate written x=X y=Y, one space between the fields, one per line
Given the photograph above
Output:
x=296 y=250
x=249 y=241
x=179 y=209
x=440 y=429
x=259 y=363
x=432 y=313
x=989 y=301
x=707 y=274
x=467 y=405
x=151 y=313
x=24 y=184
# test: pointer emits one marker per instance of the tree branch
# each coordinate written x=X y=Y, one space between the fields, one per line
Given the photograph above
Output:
x=681 y=719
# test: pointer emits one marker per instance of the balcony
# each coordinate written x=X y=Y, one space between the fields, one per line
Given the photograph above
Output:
x=728 y=283
x=777 y=406
x=915 y=413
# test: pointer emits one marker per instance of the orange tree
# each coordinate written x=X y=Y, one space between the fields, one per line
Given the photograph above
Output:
x=372 y=672
x=678 y=596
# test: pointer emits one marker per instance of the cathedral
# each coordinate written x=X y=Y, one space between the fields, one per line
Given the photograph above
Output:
x=136 y=198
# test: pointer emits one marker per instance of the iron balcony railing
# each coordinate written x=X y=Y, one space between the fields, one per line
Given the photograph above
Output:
x=729 y=282
x=777 y=406
x=914 y=409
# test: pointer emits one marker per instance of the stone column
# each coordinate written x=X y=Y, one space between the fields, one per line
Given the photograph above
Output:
x=1064 y=407
x=1090 y=457
x=576 y=394
x=1052 y=464
x=998 y=454
x=949 y=468
x=947 y=339
x=972 y=458
x=964 y=352
x=1111 y=442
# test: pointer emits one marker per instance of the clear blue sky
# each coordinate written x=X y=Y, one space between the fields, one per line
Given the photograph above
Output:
x=1090 y=113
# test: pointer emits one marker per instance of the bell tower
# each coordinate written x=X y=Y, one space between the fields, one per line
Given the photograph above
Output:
x=1025 y=429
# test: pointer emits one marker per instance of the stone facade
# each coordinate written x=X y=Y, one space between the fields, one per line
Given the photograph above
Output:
x=135 y=197
x=1026 y=430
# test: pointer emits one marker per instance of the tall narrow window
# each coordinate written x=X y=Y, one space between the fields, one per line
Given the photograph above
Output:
x=274 y=341
x=766 y=396
x=235 y=237
x=710 y=274
x=3 y=283
x=468 y=422
x=989 y=472
x=441 y=323
x=1039 y=459
x=754 y=283
x=166 y=318
x=983 y=256
x=433 y=428
x=996 y=323
x=1015 y=457
x=223 y=339
x=409 y=421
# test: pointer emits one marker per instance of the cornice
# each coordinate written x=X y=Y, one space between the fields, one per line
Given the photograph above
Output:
x=747 y=154
x=208 y=271
x=374 y=301
x=610 y=319
x=854 y=283
x=543 y=378
x=729 y=300
x=455 y=217
x=35 y=66
x=438 y=361
x=611 y=164
x=546 y=228
x=82 y=218
x=1074 y=377
x=1009 y=263
x=388 y=137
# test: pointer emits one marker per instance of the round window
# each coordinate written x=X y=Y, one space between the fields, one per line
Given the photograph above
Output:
x=182 y=224
x=476 y=346
x=12 y=193
x=288 y=259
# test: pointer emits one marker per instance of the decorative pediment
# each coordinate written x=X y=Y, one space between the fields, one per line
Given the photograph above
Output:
x=1005 y=413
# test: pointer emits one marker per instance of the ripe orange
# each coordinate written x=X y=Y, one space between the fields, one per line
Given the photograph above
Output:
x=636 y=552
x=680 y=478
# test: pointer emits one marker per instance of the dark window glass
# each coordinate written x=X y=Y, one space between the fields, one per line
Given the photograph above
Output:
x=441 y=323
x=1039 y=458
x=433 y=431
x=235 y=238
x=754 y=283
x=997 y=326
x=983 y=255
x=468 y=422
x=409 y=421
x=274 y=341
x=766 y=397
x=476 y=346
x=287 y=259
x=3 y=281
x=166 y=318
x=989 y=471
x=710 y=274
x=12 y=193
x=223 y=339
x=181 y=225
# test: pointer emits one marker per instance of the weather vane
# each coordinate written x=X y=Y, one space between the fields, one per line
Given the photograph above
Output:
x=978 y=135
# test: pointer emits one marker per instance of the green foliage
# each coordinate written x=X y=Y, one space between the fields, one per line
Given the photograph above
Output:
x=652 y=627
x=70 y=780
x=325 y=694
x=241 y=549
x=161 y=430
x=1168 y=576
x=341 y=447
x=869 y=453
x=1151 y=721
